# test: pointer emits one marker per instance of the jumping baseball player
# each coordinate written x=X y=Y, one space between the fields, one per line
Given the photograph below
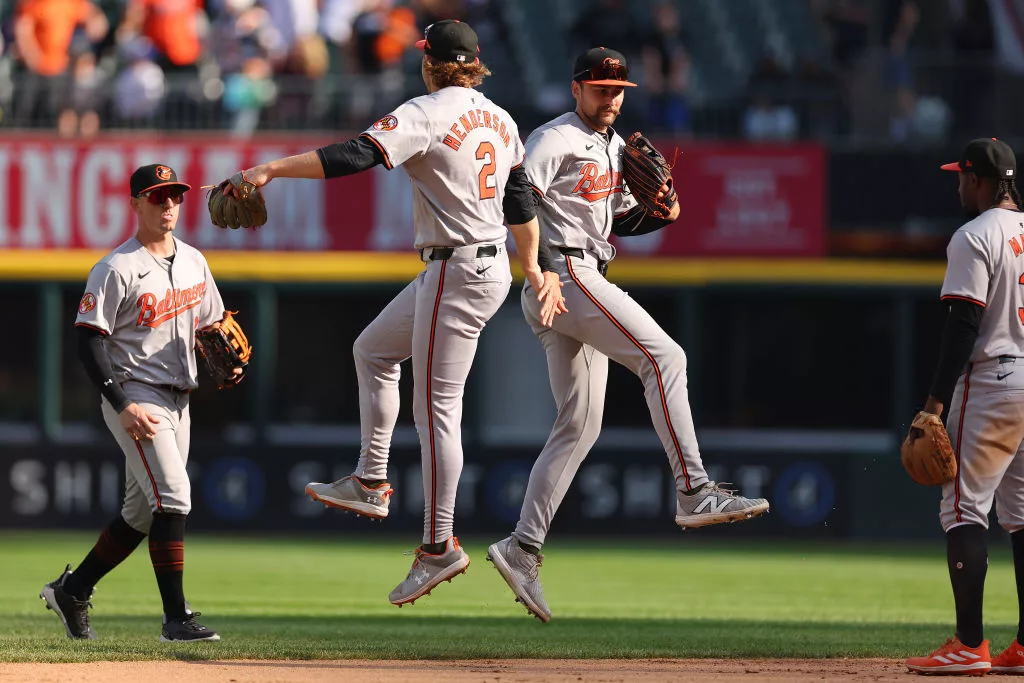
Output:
x=980 y=380
x=574 y=166
x=463 y=155
x=136 y=329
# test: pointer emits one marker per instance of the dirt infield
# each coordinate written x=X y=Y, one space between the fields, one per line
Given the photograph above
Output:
x=477 y=671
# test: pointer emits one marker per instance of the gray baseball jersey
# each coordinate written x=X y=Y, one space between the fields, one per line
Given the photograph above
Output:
x=986 y=416
x=149 y=309
x=576 y=172
x=579 y=172
x=458 y=148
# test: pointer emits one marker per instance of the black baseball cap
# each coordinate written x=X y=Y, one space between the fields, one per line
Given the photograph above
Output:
x=987 y=158
x=601 y=66
x=150 y=177
x=450 y=40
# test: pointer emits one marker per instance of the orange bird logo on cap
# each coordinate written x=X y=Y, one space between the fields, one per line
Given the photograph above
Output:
x=163 y=173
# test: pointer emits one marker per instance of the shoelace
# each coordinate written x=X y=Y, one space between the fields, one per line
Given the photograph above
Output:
x=720 y=486
x=190 y=621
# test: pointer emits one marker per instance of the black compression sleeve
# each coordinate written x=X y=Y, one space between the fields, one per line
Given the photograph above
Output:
x=93 y=354
x=346 y=158
x=520 y=202
x=958 y=337
x=637 y=222
x=544 y=259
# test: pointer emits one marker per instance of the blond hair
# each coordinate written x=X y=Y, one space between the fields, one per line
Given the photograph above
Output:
x=444 y=74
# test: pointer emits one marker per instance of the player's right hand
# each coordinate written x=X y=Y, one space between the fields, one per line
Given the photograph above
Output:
x=137 y=422
x=548 y=286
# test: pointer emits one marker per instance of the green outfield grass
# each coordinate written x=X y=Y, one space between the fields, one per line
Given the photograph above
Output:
x=327 y=598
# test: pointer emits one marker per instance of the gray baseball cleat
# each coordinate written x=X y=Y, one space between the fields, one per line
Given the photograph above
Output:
x=186 y=630
x=428 y=571
x=521 y=570
x=73 y=613
x=715 y=505
x=348 y=493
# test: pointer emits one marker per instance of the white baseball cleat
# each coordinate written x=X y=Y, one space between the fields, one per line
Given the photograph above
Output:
x=713 y=504
x=428 y=570
x=521 y=571
x=348 y=493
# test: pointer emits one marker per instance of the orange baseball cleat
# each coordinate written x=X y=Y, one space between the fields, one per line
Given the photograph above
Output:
x=954 y=659
x=1010 y=660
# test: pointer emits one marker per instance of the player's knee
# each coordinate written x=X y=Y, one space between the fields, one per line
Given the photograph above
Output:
x=673 y=358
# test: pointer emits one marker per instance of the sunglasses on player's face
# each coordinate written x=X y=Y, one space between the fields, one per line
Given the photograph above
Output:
x=160 y=195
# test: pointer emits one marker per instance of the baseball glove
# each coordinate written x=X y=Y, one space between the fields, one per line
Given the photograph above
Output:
x=645 y=171
x=223 y=348
x=926 y=453
x=242 y=207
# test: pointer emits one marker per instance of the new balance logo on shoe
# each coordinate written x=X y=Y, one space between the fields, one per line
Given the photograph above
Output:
x=712 y=504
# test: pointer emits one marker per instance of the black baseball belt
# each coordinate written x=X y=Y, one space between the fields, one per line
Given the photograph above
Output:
x=445 y=253
x=602 y=265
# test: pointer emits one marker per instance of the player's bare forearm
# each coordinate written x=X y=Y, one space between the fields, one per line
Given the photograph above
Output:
x=527 y=238
x=305 y=165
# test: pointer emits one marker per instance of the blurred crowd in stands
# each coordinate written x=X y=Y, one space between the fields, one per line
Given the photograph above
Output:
x=903 y=71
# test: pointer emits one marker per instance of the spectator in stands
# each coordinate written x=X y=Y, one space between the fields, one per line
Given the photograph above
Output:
x=382 y=33
x=666 y=72
x=306 y=60
x=173 y=28
x=820 y=99
x=140 y=87
x=847 y=25
x=974 y=44
x=82 y=117
x=770 y=116
x=43 y=30
x=244 y=30
x=605 y=22
x=919 y=119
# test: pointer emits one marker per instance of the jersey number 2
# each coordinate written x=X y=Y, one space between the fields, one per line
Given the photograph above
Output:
x=486 y=151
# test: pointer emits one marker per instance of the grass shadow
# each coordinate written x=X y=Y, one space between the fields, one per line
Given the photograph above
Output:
x=414 y=636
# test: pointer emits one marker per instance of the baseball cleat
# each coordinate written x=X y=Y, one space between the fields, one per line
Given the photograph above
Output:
x=713 y=504
x=954 y=658
x=521 y=570
x=1010 y=661
x=186 y=630
x=428 y=571
x=348 y=493
x=73 y=613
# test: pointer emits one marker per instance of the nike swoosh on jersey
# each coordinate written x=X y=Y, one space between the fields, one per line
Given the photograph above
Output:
x=142 y=275
x=1002 y=377
x=481 y=271
x=590 y=147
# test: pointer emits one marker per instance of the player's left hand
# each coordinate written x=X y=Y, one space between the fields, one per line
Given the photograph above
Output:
x=548 y=286
x=257 y=175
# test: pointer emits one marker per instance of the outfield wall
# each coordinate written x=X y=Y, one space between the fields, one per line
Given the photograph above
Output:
x=617 y=491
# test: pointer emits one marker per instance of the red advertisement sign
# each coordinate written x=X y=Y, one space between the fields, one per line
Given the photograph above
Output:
x=742 y=200
x=736 y=199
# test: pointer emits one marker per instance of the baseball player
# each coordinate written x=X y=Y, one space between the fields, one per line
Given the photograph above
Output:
x=574 y=166
x=464 y=158
x=136 y=331
x=979 y=380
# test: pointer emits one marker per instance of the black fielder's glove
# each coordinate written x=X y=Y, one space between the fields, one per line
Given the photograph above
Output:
x=242 y=207
x=645 y=171
x=224 y=348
